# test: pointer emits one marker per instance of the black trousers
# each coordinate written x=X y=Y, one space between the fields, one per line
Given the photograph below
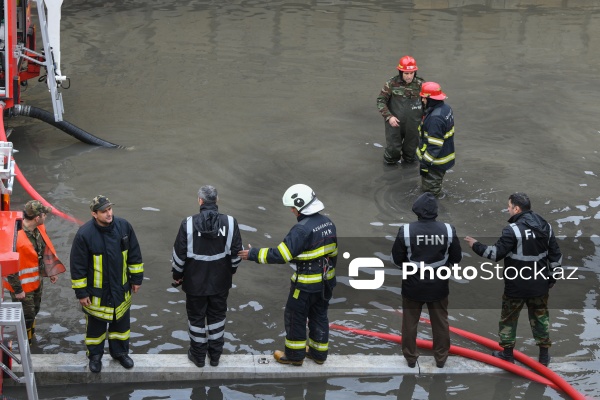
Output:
x=118 y=336
x=301 y=306
x=206 y=324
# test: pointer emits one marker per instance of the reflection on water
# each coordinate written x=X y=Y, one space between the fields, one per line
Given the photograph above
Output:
x=407 y=387
x=251 y=95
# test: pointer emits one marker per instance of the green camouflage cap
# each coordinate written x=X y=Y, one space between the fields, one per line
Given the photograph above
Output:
x=100 y=203
x=33 y=208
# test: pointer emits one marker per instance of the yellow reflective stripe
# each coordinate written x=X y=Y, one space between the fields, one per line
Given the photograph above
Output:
x=449 y=133
x=295 y=345
x=135 y=268
x=427 y=157
x=107 y=313
x=119 y=335
x=95 y=312
x=262 y=255
x=318 y=346
x=98 y=271
x=444 y=160
x=331 y=274
x=285 y=252
x=317 y=253
x=124 y=257
x=307 y=279
x=436 y=141
x=78 y=283
x=334 y=253
x=93 y=341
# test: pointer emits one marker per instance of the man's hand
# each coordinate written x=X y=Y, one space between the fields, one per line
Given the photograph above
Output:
x=470 y=240
x=20 y=296
x=85 y=301
x=393 y=121
x=53 y=279
x=243 y=254
x=135 y=288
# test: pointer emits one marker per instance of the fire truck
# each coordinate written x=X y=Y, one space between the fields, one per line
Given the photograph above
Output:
x=20 y=61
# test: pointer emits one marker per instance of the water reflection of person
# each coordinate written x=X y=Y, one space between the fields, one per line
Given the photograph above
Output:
x=311 y=245
x=437 y=390
x=206 y=393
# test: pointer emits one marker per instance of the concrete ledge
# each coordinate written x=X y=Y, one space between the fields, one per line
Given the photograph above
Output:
x=68 y=368
x=62 y=369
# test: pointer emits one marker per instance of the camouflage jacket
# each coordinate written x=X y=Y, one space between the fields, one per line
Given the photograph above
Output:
x=397 y=87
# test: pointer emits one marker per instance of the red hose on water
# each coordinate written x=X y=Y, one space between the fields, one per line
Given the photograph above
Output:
x=35 y=195
x=461 y=351
x=28 y=188
x=521 y=357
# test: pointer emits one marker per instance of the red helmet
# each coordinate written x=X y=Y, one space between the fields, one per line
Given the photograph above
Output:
x=407 y=64
x=432 y=90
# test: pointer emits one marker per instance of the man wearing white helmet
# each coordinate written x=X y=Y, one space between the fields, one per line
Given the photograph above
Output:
x=311 y=245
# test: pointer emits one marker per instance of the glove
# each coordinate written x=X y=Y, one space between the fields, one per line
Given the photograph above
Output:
x=423 y=172
x=177 y=275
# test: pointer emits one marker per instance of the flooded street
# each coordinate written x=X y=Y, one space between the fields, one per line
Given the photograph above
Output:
x=254 y=96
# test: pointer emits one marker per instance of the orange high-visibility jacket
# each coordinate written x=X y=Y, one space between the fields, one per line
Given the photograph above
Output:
x=29 y=271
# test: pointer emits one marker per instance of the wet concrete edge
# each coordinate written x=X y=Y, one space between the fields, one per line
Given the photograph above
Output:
x=61 y=369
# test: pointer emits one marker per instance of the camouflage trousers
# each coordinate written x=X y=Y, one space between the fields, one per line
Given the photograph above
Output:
x=539 y=320
x=432 y=182
x=31 y=306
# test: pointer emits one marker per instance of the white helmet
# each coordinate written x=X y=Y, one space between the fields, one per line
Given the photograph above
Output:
x=301 y=197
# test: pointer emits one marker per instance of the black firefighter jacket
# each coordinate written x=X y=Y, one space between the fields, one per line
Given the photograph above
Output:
x=311 y=245
x=105 y=262
x=436 y=137
x=431 y=242
x=530 y=252
x=205 y=253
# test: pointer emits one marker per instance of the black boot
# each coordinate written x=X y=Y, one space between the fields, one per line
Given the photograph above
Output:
x=544 y=357
x=506 y=354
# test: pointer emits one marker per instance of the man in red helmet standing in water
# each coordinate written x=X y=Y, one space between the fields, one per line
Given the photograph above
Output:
x=400 y=106
x=436 y=133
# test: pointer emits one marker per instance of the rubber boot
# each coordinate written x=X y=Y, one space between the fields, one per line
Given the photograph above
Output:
x=281 y=358
x=544 y=357
x=506 y=354
x=29 y=335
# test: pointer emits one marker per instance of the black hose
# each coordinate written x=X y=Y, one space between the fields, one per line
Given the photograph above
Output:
x=77 y=133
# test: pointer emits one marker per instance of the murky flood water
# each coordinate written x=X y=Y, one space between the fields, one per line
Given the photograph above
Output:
x=254 y=96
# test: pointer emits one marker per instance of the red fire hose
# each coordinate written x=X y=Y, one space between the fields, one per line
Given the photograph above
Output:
x=28 y=188
x=461 y=351
x=519 y=356
x=549 y=377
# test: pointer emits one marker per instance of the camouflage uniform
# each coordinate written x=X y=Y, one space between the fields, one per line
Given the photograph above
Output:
x=401 y=100
x=539 y=319
x=526 y=242
x=33 y=300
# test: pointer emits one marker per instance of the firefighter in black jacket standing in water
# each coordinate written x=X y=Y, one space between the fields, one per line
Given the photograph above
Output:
x=204 y=261
x=311 y=245
x=435 y=245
